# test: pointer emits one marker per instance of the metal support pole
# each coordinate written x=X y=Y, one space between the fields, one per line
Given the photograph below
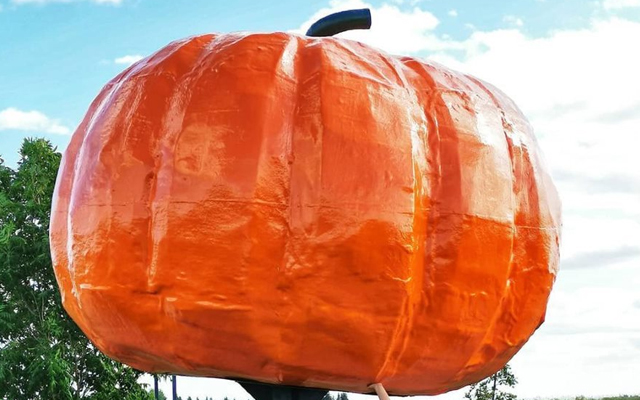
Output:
x=174 y=387
x=264 y=391
x=155 y=387
x=382 y=394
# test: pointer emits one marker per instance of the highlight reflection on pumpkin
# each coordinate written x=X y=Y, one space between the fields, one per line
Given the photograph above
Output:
x=305 y=211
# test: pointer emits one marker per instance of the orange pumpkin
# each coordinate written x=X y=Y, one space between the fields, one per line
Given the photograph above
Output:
x=305 y=211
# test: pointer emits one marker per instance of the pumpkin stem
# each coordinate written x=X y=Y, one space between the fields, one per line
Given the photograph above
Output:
x=341 y=21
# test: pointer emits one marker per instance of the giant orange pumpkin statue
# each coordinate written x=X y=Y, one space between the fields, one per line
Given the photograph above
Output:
x=305 y=211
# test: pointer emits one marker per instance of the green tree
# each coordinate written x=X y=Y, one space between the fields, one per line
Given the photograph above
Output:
x=493 y=387
x=43 y=354
x=161 y=395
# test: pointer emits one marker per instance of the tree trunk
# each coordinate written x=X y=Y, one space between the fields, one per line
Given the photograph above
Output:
x=495 y=382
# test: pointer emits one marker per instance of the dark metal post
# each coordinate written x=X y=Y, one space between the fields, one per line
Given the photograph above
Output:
x=264 y=391
x=155 y=387
x=174 y=388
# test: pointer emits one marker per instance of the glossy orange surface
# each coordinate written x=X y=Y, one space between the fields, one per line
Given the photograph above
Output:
x=305 y=211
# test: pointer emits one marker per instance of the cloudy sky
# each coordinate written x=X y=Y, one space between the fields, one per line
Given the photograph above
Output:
x=572 y=66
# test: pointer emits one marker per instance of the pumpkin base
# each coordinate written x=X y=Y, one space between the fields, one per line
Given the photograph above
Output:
x=266 y=391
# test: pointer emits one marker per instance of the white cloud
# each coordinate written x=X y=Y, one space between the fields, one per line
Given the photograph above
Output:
x=14 y=119
x=617 y=4
x=453 y=13
x=513 y=20
x=128 y=59
x=592 y=334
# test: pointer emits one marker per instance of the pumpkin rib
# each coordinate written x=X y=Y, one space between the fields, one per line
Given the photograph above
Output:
x=60 y=234
x=80 y=177
x=427 y=224
x=499 y=309
x=72 y=302
x=90 y=209
x=288 y=252
x=405 y=321
x=166 y=148
x=181 y=101
x=512 y=272
x=177 y=64
x=449 y=213
x=286 y=189
x=288 y=50
x=434 y=140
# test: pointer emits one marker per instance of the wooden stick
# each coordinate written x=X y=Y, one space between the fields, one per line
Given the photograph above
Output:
x=382 y=394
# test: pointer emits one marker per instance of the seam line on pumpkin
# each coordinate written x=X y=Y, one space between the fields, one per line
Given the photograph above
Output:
x=499 y=310
x=406 y=318
x=155 y=210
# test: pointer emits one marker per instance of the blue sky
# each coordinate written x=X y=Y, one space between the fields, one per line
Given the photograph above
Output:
x=57 y=55
x=571 y=65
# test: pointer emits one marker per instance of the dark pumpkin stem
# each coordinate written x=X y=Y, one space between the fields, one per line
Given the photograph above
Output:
x=341 y=21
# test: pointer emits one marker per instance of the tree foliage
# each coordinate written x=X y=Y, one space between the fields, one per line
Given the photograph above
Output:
x=43 y=354
x=342 y=396
x=494 y=387
x=339 y=396
x=161 y=395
